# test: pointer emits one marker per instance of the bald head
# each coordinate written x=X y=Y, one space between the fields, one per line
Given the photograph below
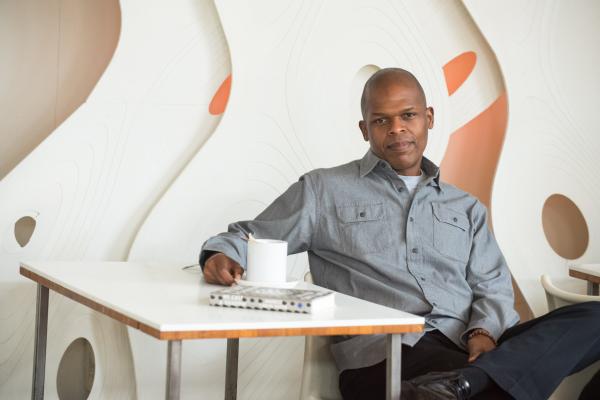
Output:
x=389 y=76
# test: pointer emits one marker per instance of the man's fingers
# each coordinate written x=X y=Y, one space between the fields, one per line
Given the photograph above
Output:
x=208 y=272
x=211 y=269
x=212 y=272
x=225 y=275
x=473 y=356
x=220 y=269
x=237 y=272
x=478 y=345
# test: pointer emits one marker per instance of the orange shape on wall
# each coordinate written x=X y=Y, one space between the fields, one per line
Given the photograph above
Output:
x=474 y=150
x=219 y=101
x=457 y=70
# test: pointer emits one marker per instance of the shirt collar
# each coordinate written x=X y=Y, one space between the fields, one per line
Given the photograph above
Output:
x=370 y=161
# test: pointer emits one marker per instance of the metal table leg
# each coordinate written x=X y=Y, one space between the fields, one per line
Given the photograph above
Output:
x=592 y=288
x=393 y=361
x=173 y=370
x=41 y=335
x=231 y=369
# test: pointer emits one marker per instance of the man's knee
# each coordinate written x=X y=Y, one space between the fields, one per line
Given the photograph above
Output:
x=588 y=310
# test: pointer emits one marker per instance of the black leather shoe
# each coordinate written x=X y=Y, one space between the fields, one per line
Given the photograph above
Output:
x=436 y=386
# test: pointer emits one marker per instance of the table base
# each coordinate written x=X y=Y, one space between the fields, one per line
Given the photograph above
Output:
x=41 y=336
x=173 y=387
x=231 y=369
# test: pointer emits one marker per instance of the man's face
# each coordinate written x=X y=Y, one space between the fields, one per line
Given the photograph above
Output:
x=396 y=124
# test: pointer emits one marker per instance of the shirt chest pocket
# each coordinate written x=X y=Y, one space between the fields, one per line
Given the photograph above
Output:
x=363 y=228
x=451 y=232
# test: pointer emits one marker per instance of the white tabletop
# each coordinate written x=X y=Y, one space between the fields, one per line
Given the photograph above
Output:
x=589 y=269
x=170 y=303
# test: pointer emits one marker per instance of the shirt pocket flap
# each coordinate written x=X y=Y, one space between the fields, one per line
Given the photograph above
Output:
x=451 y=217
x=360 y=212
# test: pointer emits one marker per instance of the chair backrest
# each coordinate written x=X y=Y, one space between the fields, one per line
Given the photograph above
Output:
x=557 y=297
x=319 y=373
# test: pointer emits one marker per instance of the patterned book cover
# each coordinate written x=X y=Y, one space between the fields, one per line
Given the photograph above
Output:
x=273 y=299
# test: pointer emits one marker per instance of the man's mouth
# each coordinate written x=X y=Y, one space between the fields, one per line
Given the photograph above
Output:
x=400 y=146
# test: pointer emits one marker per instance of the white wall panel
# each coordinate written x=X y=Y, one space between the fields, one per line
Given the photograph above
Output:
x=90 y=184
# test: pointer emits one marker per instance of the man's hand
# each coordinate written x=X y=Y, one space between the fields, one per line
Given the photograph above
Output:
x=478 y=345
x=222 y=270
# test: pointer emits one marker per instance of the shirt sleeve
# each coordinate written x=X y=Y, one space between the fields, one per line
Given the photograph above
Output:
x=492 y=307
x=291 y=217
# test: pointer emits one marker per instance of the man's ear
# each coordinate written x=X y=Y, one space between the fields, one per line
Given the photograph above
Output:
x=363 y=128
x=429 y=113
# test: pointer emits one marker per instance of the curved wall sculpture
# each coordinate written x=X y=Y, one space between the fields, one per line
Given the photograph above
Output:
x=90 y=184
x=52 y=54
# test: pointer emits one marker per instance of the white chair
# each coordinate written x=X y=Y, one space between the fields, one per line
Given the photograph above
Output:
x=319 y=374
x=556 y=297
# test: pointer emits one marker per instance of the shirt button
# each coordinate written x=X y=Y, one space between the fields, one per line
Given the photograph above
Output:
x=423 y=279
x=415 y=250
x=433 y=321
x=434 y=304
x=454 y=219
x=362 y=214
x=400 y=188
x=411 y=219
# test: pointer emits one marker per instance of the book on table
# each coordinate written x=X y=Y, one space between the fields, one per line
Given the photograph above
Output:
x=305 y=301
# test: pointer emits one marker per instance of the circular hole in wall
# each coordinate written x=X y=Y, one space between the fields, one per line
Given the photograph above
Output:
x=76 y=371
x=24 y=228
x=565 y=227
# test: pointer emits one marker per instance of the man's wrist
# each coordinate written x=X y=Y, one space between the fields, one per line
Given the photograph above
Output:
x=213 y=253
x=480 y=332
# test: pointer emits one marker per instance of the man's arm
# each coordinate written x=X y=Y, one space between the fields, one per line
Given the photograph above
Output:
x=291 y=217
x=492 y=307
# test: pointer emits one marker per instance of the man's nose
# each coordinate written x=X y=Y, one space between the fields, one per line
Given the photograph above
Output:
x=397 y=125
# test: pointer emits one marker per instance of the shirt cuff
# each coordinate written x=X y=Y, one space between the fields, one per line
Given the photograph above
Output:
x=211 y=249
x=205 y=255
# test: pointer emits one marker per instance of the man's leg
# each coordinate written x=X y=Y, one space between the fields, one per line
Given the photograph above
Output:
x=431 y=353
x=534 y=357
x=434 y=352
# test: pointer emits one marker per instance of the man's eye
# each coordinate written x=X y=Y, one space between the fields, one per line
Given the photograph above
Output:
x=409 y=115
x=380 y=121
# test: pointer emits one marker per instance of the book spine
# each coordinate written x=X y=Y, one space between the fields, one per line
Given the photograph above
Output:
x=255 y=303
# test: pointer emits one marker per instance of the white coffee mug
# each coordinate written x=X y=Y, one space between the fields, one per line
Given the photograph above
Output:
x=266 y=260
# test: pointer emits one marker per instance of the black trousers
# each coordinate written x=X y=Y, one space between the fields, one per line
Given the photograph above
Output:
x=530 y=361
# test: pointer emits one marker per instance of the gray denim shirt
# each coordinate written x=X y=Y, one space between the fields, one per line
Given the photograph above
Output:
x=432 y=255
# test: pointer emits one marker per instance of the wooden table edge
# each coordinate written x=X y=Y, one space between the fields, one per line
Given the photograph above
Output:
x=217 y=334
x=584 y=276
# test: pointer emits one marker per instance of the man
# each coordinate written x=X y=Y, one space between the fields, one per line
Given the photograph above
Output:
x=385 y=229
